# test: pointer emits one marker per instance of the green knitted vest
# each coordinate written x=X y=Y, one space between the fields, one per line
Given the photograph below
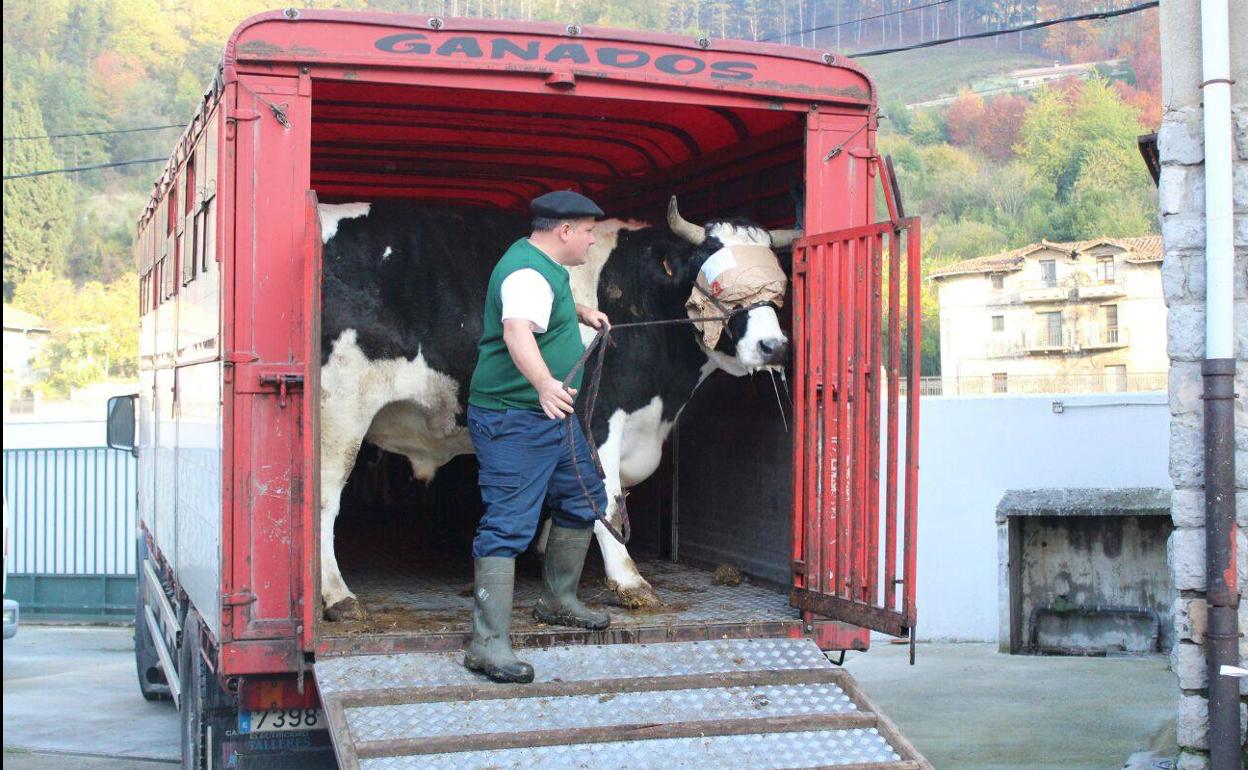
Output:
x=496 y=382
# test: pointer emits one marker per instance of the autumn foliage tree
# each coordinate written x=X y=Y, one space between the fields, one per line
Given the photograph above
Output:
x=992 y=126
x=1136 y=42
x=1002 y=122
x=1143 y=52
x=965 y=119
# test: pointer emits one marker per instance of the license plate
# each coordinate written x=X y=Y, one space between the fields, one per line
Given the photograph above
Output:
x=279 y=720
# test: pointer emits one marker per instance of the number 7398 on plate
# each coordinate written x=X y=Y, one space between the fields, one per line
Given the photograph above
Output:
x=276 y=720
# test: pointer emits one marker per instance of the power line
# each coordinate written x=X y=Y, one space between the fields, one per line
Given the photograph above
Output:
x=83 y=168
x=95 y=133
x=1096 y=16
x=852 y=21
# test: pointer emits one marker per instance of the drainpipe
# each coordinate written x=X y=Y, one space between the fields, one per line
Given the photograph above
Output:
x=1219 y=391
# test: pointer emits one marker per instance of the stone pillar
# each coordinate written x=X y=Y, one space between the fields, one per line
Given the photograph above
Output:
x=1182 y=205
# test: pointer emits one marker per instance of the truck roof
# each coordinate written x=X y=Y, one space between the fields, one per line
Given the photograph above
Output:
x=346 y=37
x=648 y=105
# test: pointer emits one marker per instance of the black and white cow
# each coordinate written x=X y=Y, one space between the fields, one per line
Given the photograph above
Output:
x=404 y=288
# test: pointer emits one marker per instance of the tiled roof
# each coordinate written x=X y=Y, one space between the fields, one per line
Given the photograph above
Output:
x=20 y=319
x=1145 y=248
x=997 y=263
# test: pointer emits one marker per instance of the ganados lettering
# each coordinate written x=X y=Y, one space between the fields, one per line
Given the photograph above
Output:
x=733 y=70
x=406 y=43
x=570 y=51
x=463 y=45
x=679 y=64
x=502 y=49
x=623 y=58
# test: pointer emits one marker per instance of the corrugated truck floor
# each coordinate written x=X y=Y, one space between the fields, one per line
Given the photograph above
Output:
x=761 y=704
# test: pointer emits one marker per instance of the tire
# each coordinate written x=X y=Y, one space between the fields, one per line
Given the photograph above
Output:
x=207 y=712
x=152 y=682
x=191 y=675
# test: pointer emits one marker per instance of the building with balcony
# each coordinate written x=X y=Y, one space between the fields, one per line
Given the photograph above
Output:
x=1086 y=316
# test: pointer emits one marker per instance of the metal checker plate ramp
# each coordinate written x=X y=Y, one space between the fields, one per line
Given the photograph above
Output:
x=745 y=703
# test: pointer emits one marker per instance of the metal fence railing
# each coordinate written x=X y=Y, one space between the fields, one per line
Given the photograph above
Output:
x=73 y=525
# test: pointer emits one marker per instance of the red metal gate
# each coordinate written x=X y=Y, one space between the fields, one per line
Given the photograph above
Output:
x=847 y=285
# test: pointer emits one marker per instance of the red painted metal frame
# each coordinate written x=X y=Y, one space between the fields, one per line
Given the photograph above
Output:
x=269 y=248
x=270 y=500
x=838 y=284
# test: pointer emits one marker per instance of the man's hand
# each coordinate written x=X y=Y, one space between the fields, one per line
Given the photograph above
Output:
x=555 y=400
x=590 y=317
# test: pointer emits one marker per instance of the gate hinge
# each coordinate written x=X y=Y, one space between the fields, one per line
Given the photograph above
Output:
x=242 y=115
x=237 y=599
x=284 y=383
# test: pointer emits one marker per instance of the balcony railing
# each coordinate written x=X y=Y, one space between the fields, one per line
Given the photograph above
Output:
x=1045 y=291
x=1065 y=340
x=1001 y=345
x=1046 y=340
x=1101 y=289
x=1104 y=337
x=1083 y=382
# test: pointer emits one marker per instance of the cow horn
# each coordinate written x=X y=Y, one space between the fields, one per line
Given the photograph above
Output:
x=687 y=230
x=783 y=238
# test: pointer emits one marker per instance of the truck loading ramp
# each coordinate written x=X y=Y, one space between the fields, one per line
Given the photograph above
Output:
x=761 y=704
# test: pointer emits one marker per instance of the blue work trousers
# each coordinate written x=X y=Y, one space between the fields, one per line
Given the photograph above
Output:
x=526 y=460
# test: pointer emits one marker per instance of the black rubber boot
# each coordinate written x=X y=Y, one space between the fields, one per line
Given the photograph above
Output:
x=490 y=649
x=558 y=604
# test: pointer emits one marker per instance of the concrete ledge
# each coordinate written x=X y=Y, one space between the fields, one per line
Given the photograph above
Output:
x=1129 y=501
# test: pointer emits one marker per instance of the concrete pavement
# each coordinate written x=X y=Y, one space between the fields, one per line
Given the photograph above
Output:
x=966 y=706
x=71 y=703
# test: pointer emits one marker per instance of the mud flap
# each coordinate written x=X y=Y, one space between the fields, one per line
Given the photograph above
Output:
x=743 y=703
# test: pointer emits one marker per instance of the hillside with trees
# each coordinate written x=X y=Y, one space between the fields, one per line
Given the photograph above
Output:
x=991 y=168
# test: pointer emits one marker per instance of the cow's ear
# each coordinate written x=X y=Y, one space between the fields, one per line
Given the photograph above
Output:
x=677 y=267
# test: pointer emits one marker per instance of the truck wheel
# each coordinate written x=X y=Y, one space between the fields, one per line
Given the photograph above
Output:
x=208 y=713
x=192 y=673
x=152 y=681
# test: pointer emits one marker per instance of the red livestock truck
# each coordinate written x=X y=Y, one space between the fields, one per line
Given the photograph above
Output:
x=315 y=108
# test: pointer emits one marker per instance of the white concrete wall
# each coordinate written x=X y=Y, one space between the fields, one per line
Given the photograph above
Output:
x=80 y=422
x=972 y=449
x=52 y=433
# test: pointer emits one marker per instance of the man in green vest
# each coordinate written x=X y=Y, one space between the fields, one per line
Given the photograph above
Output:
x=518 y=417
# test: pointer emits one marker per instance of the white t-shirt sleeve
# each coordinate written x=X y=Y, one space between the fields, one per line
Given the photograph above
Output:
x=527 y=295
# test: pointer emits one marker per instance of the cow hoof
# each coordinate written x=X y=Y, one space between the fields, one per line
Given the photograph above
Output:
x=638 y=597
x=347 y=609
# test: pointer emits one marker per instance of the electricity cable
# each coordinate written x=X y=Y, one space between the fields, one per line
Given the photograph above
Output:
x=83 y=168
x=898 y=12
x=94 y=133
x=1095 y=16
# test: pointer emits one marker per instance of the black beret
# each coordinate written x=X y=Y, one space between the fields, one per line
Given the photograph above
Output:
x=564 y=204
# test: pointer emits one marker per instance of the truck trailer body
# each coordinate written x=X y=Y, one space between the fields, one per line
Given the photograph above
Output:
x=317 y=107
